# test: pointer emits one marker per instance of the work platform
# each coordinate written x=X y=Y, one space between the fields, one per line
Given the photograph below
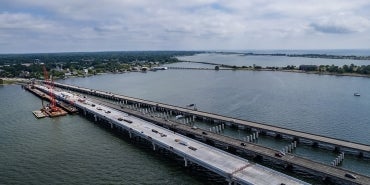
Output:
x=45 y=111
x=233 y=168
x=39 y=114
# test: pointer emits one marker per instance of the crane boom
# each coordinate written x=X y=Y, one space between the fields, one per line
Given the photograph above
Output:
x=50 y=85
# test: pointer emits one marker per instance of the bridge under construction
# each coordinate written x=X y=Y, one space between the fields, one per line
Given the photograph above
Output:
x=327 y=172
x=234 y=169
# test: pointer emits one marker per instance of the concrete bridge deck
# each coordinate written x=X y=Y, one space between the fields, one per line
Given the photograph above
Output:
x=233 y=168
x=361 y=148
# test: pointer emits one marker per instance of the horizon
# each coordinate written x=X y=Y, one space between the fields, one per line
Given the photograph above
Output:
x=280 y=51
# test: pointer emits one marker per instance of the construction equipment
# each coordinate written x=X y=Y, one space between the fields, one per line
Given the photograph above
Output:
x=50 y=85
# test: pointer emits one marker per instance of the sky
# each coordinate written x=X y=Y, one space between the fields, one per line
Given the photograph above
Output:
x=29 y=26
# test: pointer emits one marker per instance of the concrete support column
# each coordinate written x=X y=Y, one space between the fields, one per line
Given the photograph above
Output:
x=337 y=149
x=230 y=182
x=153 y=145
x=186 y=162
x=95 y=118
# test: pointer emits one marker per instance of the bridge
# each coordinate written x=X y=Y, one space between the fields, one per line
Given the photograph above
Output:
x=347 y=147
x=233 y=168
x=323 y=170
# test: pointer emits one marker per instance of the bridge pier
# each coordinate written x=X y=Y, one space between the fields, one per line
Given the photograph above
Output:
x=186 y=162
x=229 y=181
x=336 y=149
x=295 y=138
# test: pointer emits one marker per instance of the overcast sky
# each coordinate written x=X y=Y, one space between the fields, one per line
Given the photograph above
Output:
x=116 y=25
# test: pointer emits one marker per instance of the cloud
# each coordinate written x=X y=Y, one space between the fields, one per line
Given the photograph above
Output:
x=342 y=23
x=193 y=24
x=336 y=29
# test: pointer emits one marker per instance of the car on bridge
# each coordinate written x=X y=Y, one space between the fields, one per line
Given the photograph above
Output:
x=279 y=154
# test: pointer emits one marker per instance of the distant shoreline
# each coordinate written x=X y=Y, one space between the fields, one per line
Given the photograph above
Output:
x=325 y=56
x=9 y=81
x=320 y=73
x=228 y=67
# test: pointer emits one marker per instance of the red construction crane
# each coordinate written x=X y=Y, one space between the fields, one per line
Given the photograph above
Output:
x=50 y=84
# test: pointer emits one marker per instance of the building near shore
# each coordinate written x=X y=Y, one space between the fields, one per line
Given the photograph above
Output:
x=308 y=67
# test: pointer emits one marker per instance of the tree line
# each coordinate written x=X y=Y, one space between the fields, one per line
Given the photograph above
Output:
x=30 y=65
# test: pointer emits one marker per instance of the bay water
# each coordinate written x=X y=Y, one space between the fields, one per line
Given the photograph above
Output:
x=73 y=150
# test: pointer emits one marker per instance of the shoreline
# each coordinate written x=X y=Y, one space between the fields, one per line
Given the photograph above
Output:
x=227 y=67
x=312 y=72
x=10 y=81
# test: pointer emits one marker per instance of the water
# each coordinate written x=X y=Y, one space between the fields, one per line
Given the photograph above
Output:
x=271 y=61
x=320 y=104
x=73 y=150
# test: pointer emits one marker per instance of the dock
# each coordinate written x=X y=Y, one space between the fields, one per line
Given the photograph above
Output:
x=234 y=169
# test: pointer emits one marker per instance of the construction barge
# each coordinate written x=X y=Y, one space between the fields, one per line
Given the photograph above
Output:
x=68 y=107
x=48 y=111
x=39 y=114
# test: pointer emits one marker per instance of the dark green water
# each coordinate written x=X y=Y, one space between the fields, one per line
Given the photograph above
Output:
x=72 y=150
